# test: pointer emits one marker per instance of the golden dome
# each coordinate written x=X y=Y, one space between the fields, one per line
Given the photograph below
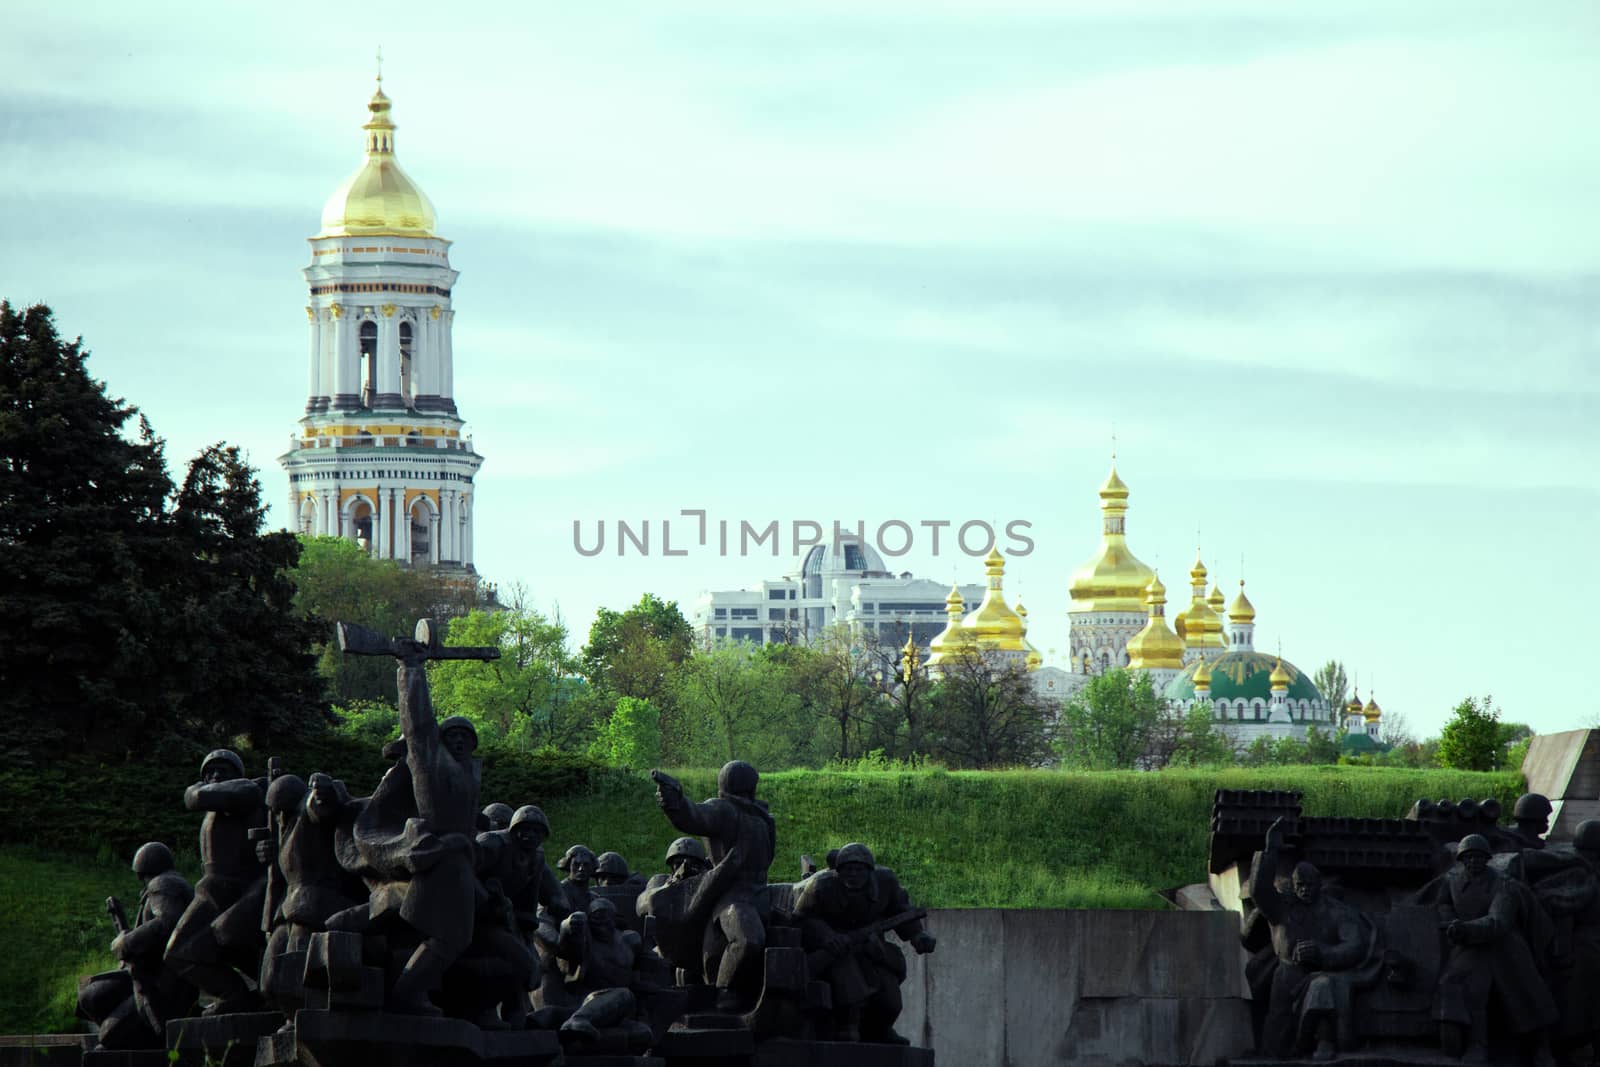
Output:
x=1155 y=646
x=994 y=625
x=1372 y=713
x=952 y=638
x=1279 y=678
x=1215 y=600
x=378 y=198
x=1115 y=580
x=1200 y=626
x=1033 y=661
x=1202 y=675
x=1241 y=610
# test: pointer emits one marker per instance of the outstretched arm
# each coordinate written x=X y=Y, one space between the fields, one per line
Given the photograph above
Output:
x=237 y=795
x=1263 y=888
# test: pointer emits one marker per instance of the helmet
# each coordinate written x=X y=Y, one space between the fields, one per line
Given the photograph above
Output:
x=686 y=847
x=286 y=792
x=223 y=755
x=1532 y=806
x=153 y=858
x=1473 y=843
x=599 y=904
x=611 y=864
x=855 y=852
x=737 y=778
x=529 y=813
x=1586 y=838
x=576 y=852
x=459 y=722
x=498 y=815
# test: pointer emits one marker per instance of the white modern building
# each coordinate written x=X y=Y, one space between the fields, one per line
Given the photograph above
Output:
x=381 y=456
x=843 y=582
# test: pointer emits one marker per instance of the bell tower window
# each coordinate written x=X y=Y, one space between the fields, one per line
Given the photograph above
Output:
x=369 y=363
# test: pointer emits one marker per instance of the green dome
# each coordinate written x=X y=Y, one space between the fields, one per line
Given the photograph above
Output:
x=1245 y=676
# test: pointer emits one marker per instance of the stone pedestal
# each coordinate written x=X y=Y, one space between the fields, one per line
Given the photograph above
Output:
x=229 y=1040
x=370 y=1039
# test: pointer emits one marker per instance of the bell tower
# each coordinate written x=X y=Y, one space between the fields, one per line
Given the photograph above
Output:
x=381 y=456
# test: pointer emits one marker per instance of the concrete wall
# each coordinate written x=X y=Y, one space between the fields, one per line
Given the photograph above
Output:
x=1566 y=768
x=1091 y=988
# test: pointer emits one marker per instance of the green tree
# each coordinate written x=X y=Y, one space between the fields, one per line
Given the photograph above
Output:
x=1198 y=741
x=237 y=657
x=631 y=652
x=630 y=736
x=83 y=527
x=984 y=714
x=1110 y=723
x=1334 y=684
x=531 y=696
x=336 y=580
x=741 y=704
x=1472 y=740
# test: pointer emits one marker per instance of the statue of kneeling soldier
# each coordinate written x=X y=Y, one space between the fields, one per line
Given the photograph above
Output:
x=844 y=914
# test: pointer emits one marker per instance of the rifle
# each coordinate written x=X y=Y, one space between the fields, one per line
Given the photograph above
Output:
x=119 y=918
x=818 y=959
x=270 y=832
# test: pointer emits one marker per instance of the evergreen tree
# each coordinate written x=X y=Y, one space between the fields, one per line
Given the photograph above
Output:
x=82 y=525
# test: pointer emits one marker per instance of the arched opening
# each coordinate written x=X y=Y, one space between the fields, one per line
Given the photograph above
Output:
x=369 y=363
x=405 y=363
x=421 y=531
x=361 y=524
x=308 y=516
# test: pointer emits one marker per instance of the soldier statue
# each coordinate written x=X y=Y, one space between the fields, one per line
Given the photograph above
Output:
x=578 y=863
x=844 y=913
x=220 y=933
x=742 y=838
x=131 y=1005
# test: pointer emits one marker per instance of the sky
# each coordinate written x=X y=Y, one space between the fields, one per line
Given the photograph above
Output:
x=1326 y=273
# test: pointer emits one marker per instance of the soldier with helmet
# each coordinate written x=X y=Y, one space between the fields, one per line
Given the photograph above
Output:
x=1480 y=914
x=1531 y=813
x=496 y=816
x=220 y=932
x=610 y=869
x=1566 y=882
x=864 y=972
x=742 y=838
x=132 y=1004
x=578 y=864
x=515 y=883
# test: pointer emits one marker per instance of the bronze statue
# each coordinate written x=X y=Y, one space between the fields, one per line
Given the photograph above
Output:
x=496 y=816
x=418 y=829
x=601 y=964
x=516 y=884
x=742 y=838
x=131 y=1005
x=844 y=914
x=1324 y=951
x=578 y=863
x=220 y=934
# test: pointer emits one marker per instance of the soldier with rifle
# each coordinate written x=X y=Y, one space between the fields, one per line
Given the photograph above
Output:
x=220 y=935
x=414 y=838
x=843 y=914
x=131 y=1005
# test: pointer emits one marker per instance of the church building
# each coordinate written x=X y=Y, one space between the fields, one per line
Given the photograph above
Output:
x=381 y=457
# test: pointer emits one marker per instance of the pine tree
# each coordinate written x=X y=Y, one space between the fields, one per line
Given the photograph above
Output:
x=81 y=531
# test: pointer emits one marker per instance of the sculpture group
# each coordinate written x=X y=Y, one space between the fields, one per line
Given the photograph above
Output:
x=418 y=924
x=1442 y=935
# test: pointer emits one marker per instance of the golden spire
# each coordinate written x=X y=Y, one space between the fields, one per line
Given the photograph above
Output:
x=910 y=658
x=994 y=625
x=379 y=198
x=1241 y=610
x=1202 y=675
x=1033 y=661
x=952 y=638
x=1155 y=647
x=1215 y=599
x=1115 y=579
x=1200 y=625
x=1279 y=678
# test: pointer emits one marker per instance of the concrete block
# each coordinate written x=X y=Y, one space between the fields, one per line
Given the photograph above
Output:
x=965 y=1020
x=1564 y=766
x=1162 y=954
x=1042 y=977
x=1138 y=1031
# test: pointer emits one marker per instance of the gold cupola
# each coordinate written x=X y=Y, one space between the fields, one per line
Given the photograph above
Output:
x=379 y=198
x=952 y=639
x=1215 y=600
x=1202 y=676
x=1200 y=626
x=1116 y=579
x=1279 y=678
x=1155 y=647
x=994 y=626
x=1033 y=661
x=1372 y=713
x=1241 y=610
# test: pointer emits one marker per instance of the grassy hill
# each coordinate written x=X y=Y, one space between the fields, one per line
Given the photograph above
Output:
x=1013 y=839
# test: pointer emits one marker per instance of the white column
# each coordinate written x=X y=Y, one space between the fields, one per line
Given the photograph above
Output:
x=450 y=551
x=388 y=352
x=347 y=373
x=405 y=528
x=466 y=530
x=447 y=356
x=315 y=385
x=380 y=523
x=433 y=542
